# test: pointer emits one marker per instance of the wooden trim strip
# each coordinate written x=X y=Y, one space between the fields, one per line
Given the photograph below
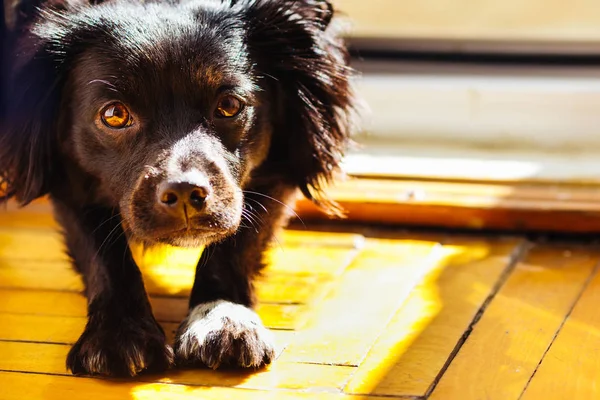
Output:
x=465 y=205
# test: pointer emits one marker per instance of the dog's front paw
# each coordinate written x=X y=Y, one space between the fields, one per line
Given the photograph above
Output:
x=222 y=333
x=120 y=349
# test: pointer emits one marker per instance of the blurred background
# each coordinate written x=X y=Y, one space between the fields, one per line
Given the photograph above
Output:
x=505 y=95
x=516 y=80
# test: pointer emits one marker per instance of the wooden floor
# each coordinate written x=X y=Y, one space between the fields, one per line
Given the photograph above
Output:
x=357 y=316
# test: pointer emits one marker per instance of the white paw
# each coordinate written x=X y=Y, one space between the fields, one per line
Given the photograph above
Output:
x=221 y=333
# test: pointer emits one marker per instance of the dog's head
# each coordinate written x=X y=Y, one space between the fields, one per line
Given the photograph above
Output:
x=172 y=107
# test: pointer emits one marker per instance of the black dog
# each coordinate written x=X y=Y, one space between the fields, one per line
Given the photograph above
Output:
x=179 y=122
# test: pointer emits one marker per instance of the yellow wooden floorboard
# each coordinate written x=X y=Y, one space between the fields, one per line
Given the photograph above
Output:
x=506 y=345
x=288 y=254
x=52 y=329
x=166 y=309
x=571 y=368
x=314 y=239
x=31 y=244
x=40 y=302
x=34 y=246
x=32 y=220
x=350 y=319
x=35 y=215
x=17 y=386
x=288 y=257
x=50 y=359
x=48 y=329
x=169 y=280
x=292 y=276
x=39 y=278
x=415 y=345
x=276 y=316
x=285 y=288
x=166 y=280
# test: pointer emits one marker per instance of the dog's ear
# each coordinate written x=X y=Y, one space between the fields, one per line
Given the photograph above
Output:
x=32 y=94
x=31 y=98
x=298 y=50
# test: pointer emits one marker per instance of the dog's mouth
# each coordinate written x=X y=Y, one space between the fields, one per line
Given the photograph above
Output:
x=195 y=232
x=191 y=235
x=195 y=237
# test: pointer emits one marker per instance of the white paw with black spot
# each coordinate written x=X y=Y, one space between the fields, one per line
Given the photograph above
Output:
x=222 y=333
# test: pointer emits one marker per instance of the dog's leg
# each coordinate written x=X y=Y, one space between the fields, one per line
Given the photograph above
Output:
x=221 y=328
x=121 y=337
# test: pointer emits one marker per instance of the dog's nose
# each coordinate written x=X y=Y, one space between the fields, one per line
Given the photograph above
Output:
x=183 y=197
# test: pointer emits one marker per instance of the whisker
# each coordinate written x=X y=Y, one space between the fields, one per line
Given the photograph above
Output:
x=251 y=215
x=248 y=227
x=279 y=243
x=259 y=203
x=210 y=251
x=105 y=222
x=117 y=238
x=256 y=216
x=279 y=202
x=249 y=218
x=207 y=253
x=105 y=240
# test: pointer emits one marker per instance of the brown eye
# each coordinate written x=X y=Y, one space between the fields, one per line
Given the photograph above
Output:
x=229 y=106
x=116 y=116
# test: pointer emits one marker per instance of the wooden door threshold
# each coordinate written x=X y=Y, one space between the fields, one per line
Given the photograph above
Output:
x=507 y=206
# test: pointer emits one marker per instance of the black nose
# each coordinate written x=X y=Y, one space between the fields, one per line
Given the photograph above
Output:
x=183 y=197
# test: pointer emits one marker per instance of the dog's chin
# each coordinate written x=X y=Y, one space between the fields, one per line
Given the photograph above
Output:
x=191 y=240
x=184 y=238
x=196 y=233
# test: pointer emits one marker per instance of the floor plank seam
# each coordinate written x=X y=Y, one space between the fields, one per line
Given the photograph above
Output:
x=386 y=396
x=247 y=389
x=37 y=314
x=560 y=327
x=39 y=373
x=35 y=342
x=328 y=364
x=30 y=289
x=517 y=255
x=150 y=381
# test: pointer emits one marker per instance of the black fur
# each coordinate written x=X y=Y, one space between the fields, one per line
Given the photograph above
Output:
x=170 y=63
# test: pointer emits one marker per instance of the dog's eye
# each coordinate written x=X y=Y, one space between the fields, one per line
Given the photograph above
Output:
x=116 y=115
x=228 y=106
